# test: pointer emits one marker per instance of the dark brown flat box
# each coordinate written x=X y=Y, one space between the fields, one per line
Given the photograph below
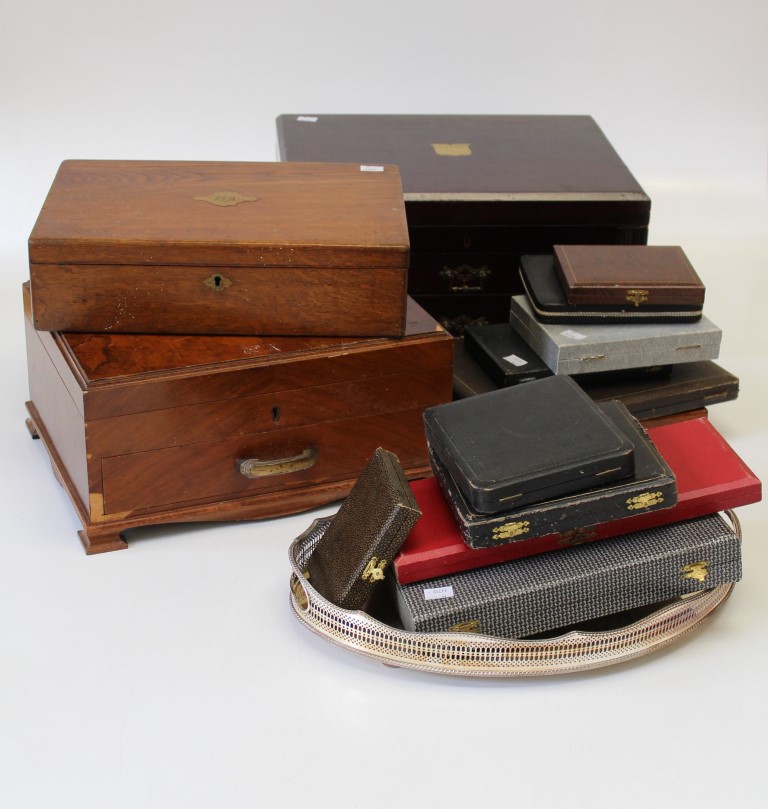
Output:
x=483 y=190
x=628 y=275
x=221 y=248
x=689 y=386
x=147 y=429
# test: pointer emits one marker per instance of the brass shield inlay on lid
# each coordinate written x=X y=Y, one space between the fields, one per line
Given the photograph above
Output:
x=452 y=149
x=226 y=198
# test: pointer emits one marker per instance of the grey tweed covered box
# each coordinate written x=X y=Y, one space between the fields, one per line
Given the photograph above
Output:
x=579 y=349
x=526 y=596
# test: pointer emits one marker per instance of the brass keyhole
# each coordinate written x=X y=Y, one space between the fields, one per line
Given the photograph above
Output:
x=217 y=282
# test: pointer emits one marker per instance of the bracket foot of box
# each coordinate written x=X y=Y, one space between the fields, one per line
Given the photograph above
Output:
x=107 y=534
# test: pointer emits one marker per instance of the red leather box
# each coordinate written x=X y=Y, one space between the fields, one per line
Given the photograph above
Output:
x=710 y=477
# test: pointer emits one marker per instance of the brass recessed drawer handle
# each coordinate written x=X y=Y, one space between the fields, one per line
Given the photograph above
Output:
x=255 y=468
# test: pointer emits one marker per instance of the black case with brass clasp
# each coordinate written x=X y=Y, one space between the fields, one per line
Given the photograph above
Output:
x=651 y=487
x=482 y=190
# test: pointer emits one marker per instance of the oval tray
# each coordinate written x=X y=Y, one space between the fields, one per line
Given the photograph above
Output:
x=474 y=655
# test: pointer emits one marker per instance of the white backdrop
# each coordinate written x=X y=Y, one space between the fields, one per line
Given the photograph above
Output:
x=172 y=674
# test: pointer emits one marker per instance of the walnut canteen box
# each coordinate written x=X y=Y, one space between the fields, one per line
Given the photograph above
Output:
x=221 y=248
x=148 y=429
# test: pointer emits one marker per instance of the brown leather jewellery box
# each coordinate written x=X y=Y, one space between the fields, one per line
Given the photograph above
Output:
x=147 y=429
x=221 y=248
x=631 y=276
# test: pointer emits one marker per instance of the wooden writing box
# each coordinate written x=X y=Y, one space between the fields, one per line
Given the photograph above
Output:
x=483 y=190
x=221 y=248
x=145 y=429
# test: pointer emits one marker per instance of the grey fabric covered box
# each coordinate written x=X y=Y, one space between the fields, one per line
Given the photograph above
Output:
x=590 y=348
x=526 y=596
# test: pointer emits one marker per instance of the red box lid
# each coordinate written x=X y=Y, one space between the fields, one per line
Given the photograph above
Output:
x=710 y=477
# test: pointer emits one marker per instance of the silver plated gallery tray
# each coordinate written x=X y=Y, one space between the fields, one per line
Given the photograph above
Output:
x=473 y=655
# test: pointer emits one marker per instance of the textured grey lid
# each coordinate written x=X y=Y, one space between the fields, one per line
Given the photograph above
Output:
x=571 y=349
x=529 y=595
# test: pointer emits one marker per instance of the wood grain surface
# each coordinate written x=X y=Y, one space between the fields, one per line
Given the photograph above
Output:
x=221 y=248
x=147 y=429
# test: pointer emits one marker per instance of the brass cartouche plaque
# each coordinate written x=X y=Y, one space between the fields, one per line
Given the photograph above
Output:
x=226 y=198
x=452 y=149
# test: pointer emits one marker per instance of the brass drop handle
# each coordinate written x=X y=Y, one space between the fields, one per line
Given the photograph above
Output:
x=256 y=468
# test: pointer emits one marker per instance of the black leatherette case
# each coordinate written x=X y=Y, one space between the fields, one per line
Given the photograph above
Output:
x=651 y=487
x=526 y=444
x=503 y=354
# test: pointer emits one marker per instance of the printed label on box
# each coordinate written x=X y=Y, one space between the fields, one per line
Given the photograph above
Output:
x=574 y=335
x=513 y=359
x=434 y=593
x=371 y=168
x=307 y=119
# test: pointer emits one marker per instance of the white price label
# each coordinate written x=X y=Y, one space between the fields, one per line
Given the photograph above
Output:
x=371 y=168
x=307 y=119
x=434 y=593
x=513 y=359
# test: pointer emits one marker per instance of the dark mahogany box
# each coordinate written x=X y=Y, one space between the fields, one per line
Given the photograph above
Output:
x=147 y=429
x=710 y=477
x=482 y=190
x=221 y=248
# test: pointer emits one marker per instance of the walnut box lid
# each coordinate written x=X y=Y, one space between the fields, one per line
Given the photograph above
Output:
x=221 y=248
x=238 y=214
